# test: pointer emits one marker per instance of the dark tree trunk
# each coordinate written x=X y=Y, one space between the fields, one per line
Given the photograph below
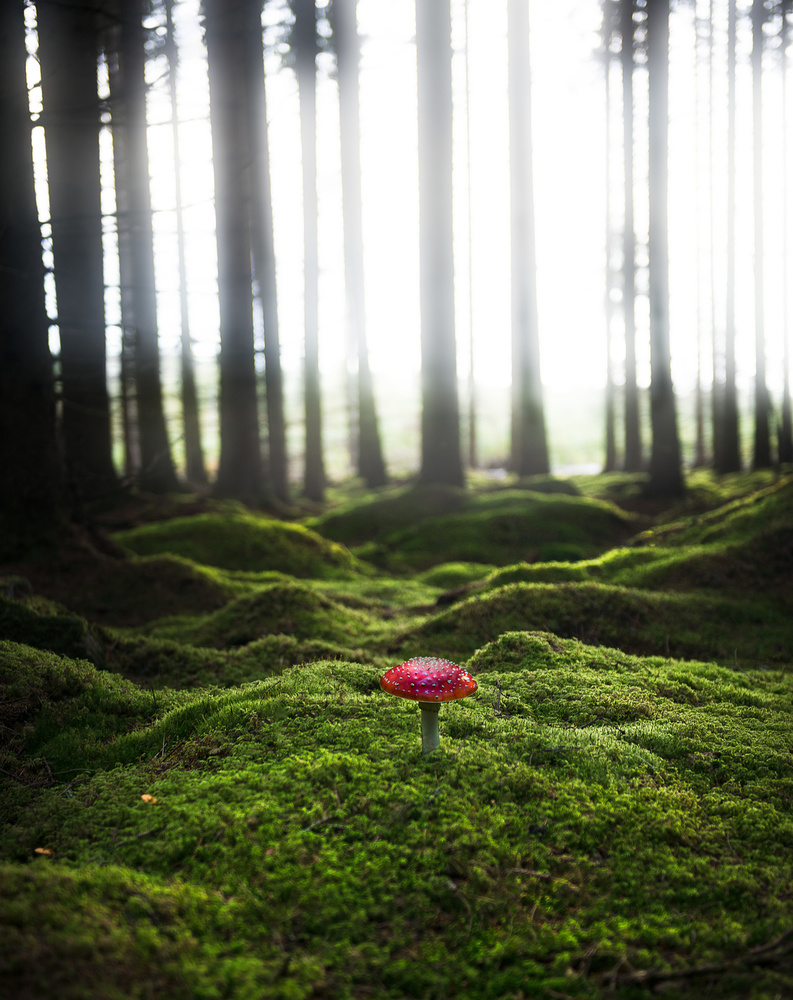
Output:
x=666 y=476
x=762 y=404
x=263 y=246
x=68 y=49
x=371 y=466
x=786 y=424
x=529 y=445
x=31 y=500
x=241 y=470
x=633 y=439
x=728 y=458
x=441 y=460
x=156 y=473
x=304 y=37
x=195 y=467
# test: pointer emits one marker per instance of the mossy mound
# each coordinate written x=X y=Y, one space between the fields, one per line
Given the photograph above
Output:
x=165 y=663
x=419 y=528
x=454 y=574
x=592 y=823
x=289 y=608
x=694 y=626
x=40 y=623
x=239 y=541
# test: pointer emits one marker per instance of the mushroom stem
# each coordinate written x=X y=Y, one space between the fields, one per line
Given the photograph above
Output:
x=430 y=737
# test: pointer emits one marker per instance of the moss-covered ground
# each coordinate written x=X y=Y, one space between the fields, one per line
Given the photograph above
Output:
x=204 y=792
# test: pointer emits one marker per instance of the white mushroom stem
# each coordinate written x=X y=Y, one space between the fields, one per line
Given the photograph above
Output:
x=430 y=737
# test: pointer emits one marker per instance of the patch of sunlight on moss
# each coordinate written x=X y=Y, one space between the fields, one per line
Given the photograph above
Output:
x=242 y=541
x=455 y=574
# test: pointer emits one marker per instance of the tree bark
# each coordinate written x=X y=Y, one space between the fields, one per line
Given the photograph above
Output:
x=441 y=460
x=786 y=423
x=304 y=37
x=156 y=473
x=728 y=458
x=263 y=245
x=68 y=49
x=371 y=466
x=32 y=509
x=633 y=438
x=666 y=476
x=762 y=430
x=241 y=470
x=195 y=467
x=529 y=445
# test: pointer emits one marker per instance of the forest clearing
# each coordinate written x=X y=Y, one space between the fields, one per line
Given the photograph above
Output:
x=206 y=793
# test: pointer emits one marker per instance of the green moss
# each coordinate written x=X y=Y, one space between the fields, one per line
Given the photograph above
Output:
x=588 y=813
x=454 y=574
x=683 y=625
x=39 y=623
x=241 y=541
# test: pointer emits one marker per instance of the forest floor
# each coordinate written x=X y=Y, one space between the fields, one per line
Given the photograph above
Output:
x=204 y=792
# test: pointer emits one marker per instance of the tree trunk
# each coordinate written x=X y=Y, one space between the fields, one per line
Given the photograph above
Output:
x=786 y=424
x=699 y=394
x=529 y=445
x=195 y=467
x=371 y=466
x=633 y=439
x=304 y=35
x=729 y=458
x=473 y=456
x=666 y=476
x=241 y=471
x=156 y=474
x=610 y=442
x=31 y=499
x=441 y=460
x=68 y=48
x=762 y=431
x=263 y=245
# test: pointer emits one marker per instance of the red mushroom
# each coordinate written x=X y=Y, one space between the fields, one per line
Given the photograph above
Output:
x=429 y=681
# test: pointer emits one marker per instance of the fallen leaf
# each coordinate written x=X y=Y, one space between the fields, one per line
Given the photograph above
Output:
x=148 y=798
x=42 y=850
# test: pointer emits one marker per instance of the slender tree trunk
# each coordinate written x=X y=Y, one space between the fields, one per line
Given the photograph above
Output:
x=717 y=344
x=31 y=498
x=699 y=394
x=263 y=245
x=529 y=445
x=241 y=470
x=345 y=29
x=730 y=457
x=195 y=466
x=633 y=439
x=304 y=36
x=473 y=458
x=666 y=476
x=786 y=424
x=156 y=474
x=762 y=430
x=68 y=50
x=441 y=460
x=611 y=443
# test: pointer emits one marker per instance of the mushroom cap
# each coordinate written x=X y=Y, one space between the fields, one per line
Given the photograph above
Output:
x=428 y=678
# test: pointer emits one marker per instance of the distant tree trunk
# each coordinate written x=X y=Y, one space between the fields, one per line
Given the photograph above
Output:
x=31 y=498
x=529 y=445
x=473 y=457
x=241 y=471
x=156 y=474
x=195 y=467
x=345 y=30
x=441 y=460
x=304 y=37
x=699 y=394
x=786 y=423
x=666 y=476
x=633 y=438
x=717 y=347
x=263 y=246
x=68 y=50
x=729 y=458
x=611 y=443
x=762 y=431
